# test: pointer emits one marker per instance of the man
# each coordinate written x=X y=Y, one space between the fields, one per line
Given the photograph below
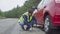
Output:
x=27 y=19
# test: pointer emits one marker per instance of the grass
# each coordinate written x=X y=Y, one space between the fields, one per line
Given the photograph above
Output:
x=2 y=17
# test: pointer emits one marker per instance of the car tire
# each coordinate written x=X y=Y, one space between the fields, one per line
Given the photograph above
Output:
x=47 y=25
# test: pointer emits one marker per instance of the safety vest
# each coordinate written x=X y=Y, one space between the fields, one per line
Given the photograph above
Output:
x=28 y=18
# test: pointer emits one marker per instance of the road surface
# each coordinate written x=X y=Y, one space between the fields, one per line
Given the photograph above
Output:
x=11 y=26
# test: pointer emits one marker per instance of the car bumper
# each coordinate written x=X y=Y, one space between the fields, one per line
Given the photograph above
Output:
x=56 y=21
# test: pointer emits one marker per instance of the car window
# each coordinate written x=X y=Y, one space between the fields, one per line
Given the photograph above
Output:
x=40 y=4
x=47 y=2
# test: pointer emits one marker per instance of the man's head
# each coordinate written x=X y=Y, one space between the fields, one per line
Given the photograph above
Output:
x=30 y=12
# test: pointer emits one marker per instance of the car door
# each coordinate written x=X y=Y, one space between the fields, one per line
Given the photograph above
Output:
x=40 y=12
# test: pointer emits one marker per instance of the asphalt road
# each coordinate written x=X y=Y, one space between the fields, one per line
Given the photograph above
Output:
x=11 y=26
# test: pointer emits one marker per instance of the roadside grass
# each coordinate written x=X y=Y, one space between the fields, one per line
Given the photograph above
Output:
x=2 y=17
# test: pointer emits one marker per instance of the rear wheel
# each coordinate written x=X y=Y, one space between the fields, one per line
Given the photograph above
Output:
x=47 y=25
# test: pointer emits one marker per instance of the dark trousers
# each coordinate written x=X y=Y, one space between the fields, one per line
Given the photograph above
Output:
x=29 y=25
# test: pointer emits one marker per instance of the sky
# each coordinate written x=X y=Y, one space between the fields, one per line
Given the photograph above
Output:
x=6 y=5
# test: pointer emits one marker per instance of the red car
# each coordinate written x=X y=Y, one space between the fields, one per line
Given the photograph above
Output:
x=48 y=14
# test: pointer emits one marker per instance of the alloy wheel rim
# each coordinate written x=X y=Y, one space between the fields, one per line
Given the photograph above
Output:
x=46 y=25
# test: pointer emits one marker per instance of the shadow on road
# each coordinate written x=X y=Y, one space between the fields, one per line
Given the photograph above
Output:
x=53 y=32
x=56 y=32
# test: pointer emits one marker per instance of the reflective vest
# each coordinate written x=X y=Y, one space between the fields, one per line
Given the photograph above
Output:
x=28 y=18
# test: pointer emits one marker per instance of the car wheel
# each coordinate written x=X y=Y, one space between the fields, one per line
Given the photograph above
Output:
x=47 y=25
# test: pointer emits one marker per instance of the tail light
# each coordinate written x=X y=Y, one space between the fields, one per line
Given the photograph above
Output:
x=57 y=1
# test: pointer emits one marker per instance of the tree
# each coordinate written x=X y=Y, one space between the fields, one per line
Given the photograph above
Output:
x=29 y=4
x=0 y=13
x=18 y=11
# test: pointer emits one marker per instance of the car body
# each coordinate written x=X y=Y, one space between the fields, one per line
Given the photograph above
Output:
x=51 y=8
x=48 y=7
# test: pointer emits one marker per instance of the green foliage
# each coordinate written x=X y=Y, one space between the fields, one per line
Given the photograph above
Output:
x=18 y=11
x=15 y=12
x=1 y=13
x=29 y=4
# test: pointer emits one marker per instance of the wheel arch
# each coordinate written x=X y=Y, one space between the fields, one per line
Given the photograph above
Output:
x=45 y=14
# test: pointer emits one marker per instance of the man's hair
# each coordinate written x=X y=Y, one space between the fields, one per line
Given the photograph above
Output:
x=31 y=10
